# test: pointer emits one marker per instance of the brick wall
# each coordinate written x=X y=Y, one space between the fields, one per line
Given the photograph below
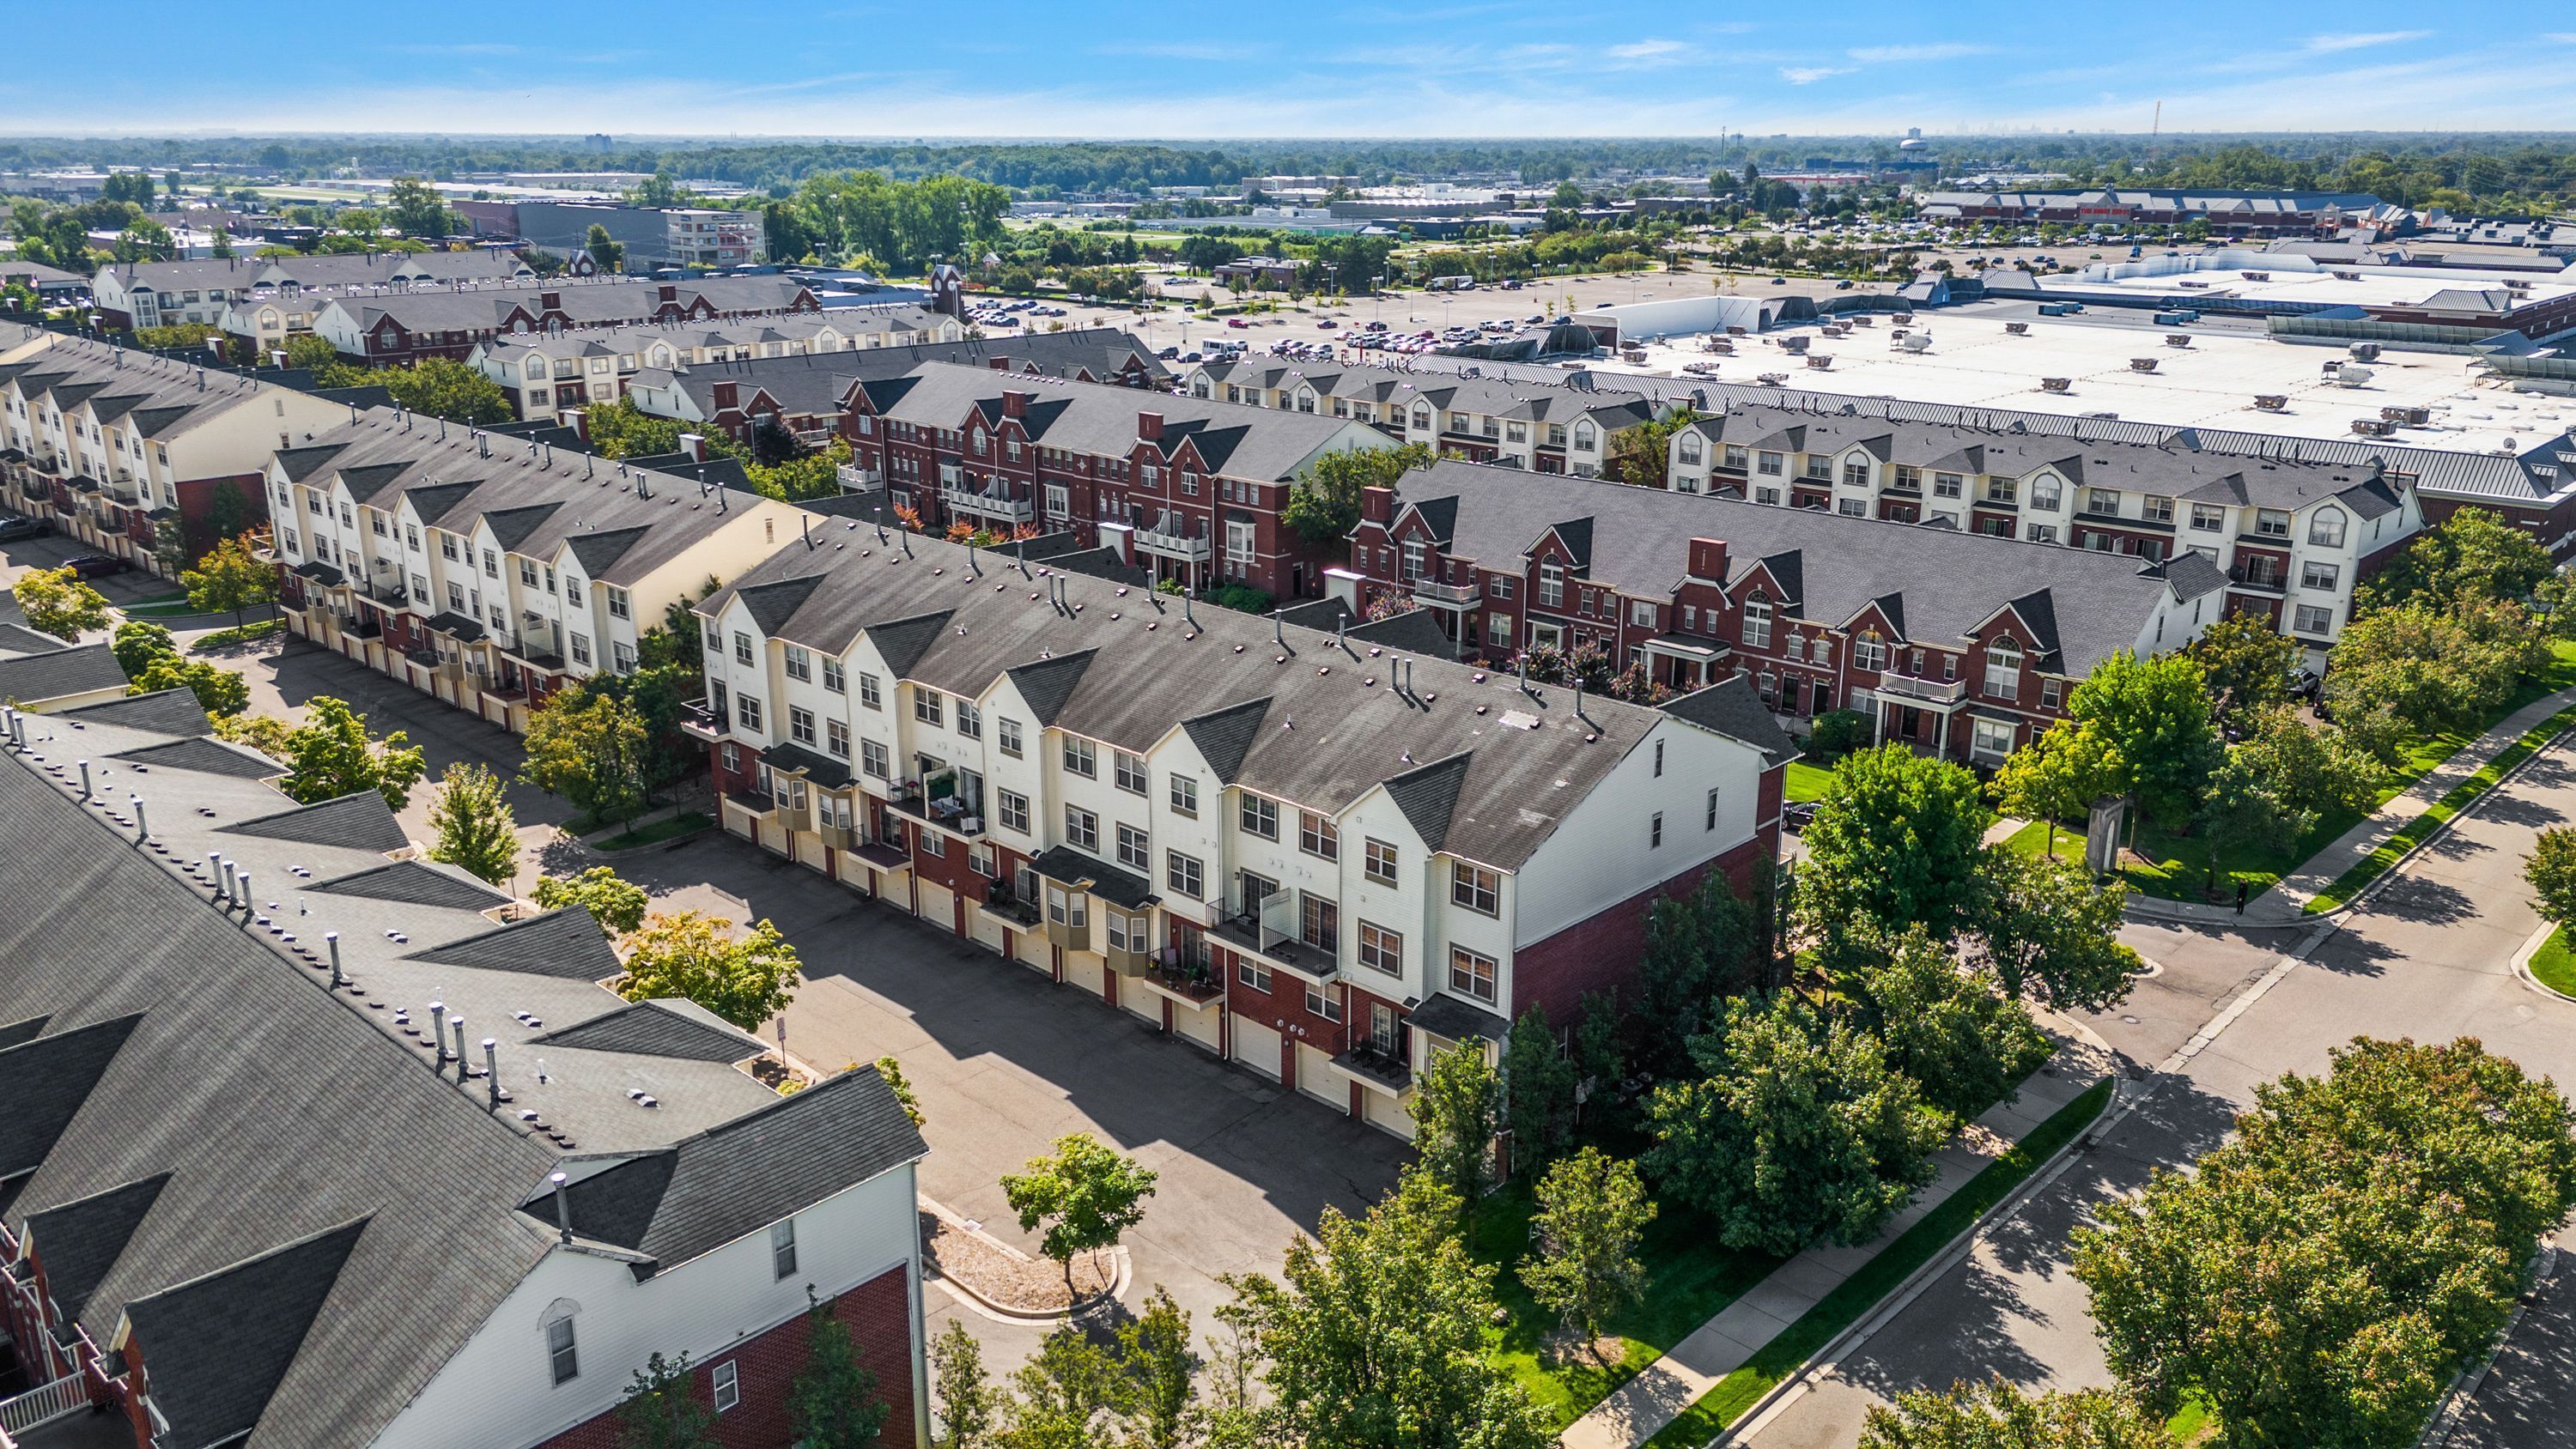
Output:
x=1602 y=950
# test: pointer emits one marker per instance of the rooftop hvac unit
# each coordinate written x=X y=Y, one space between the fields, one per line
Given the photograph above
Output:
x=2347 y=276
x=1820 y=361
x=2271 y=402
x=1796 y=345
x=2373 y=427
x=2364 y=351
x=1721 y=346
x=1773 y=379
x=2407 y=417
x=2142 y=364
x=2177 y=339
x=2517 y=284
x=2352 y=374
x=1903 y=319
x=2256 y=276
x=1735 y=332
x=2056 y=384
x=1862 y=320
x=2017 y=329
x=1917 y=342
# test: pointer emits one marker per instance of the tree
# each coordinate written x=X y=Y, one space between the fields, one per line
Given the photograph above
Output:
x=138 y=643
x=1456 y=1110
x=1374 y=1334
x=2155 y=714
x=1592 y=1210
x=2551 y=870
x=1699 y=947
x=56 y=602
x=2309 y=769
x=608 y=253
x=968 y=1403
x=1897 y=840
x=473 y=824
x=1797 y=1130
x=1967 y=1046
x=442 y=387
x=1324 y=505
x=1068 y=1395
x=1997 y=1415
x=308 y=349
x=1087 y=1193
x=230 y=579
x=2049 y=932
x=221 y=693
x=1643 y=454
x=1162 y=1374
x=896 y=1082
x=2058 y=776
x=662 y=1409
x=2237 y=807
x=331 y=755
x=588 y=746
x=2471 y=557
x=1538 y=1092
x=745 y=981
x=833 y=1401
x=618 y=905
x=417 y=209
x=2247 y=662
x=2318 y=1280
x=2431 y=669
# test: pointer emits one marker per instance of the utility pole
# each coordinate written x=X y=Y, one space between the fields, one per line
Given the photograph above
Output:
x=2155 y=132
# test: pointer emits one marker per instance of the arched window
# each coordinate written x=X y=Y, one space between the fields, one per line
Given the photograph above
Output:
x=536 y=369
x=1583 y=436
x=2003 y=669
x=563 y=1353
x=2326 y=529
x=1422 y=417
x=1690 y=449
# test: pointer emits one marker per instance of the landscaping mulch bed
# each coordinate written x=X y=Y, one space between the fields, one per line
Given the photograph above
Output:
x=1007 y=1278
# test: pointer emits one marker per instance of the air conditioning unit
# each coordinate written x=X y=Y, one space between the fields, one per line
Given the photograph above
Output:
x=1820 y=361
x=2373 y=427
x=2142 y=364
x=2015 y=329
x=2177 y=339
x=2056 y=384
x=2271 y=402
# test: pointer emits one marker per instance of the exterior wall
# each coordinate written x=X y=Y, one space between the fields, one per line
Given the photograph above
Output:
x=1600 y=951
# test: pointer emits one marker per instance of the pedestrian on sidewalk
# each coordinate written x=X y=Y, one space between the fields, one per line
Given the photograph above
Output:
x=2240 y=898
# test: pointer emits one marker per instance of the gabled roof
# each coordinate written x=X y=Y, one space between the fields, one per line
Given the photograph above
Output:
x=771 y=605
x=1429 y=797
x=415 y=882
x=209 y=757
x=566 y=943
x=1223 y=736
x=1047 y=684
x=80 y=1240
x=903 y=641
x=1731 y=708
x=358 y=821
x=32 y=679
x=596 y=551
x=45 y=1082
x=661 y=1027
x=216 y=1349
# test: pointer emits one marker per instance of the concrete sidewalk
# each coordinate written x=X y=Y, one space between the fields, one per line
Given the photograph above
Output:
x=1645 y=1404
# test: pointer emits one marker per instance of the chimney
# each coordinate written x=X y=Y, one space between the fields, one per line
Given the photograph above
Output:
x=550 y=301
x=728 y=396
x=1377 y=505
x=563 y=1206
x=668 y=293
x=998 y=364
x=579 y=418
x=492 y=1069
x=1015 y=404
x=695 y=444
x=1708 y=559
x=1149 y=426
x=332 y=940
x=141 y=832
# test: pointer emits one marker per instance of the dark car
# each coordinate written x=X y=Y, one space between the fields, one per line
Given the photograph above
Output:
x=14 y=528
x=95 y=565
x=1797 y=815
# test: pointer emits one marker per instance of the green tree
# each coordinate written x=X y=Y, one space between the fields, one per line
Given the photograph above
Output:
x=2247 y=661
x=1324 y=505
x=1592 y=1212
x=331 y=755
x=833 y=1401
x=1897 y=840
x=618 y=428
x=230 y=579
x=56 y=602
x=662 y=1409
x=138 y=643
x=220 y=692
x=1996 y=1415
x=1797 y=1130
x=1643 y=454
x=1967 y=1046
x=1374 y=1334
x=968 y=1403
x=617 y=904
x=1456 y=1110
x=896 y=1082
x=1699 y=947
x=1538 y=1092
x=2049 y=932
x=745 y=981
x=1162 y=1374
x=2058 y=776
x=1087 y=1194
x=2471 y=557
x=2431 y=669
x=2318 y=1280
x=608 y=253
x=2154 y=713
x=442 y=387
x=589 y=747
x=474 y=828
x=1068 y=1395
x=2551 y=870
x=306 y=349
x=2310 y=769
x=417 y=209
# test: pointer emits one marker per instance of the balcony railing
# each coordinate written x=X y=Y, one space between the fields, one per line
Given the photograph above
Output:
x=1187 y=975
x=1000 y=506
x=1271 y=934
x=855 y=479
x=1173 y=538
x=2270 y=580
x=701 y=720
x=1437 y=591
x=43 y=1404
x=1930 y=691
x=951 y=812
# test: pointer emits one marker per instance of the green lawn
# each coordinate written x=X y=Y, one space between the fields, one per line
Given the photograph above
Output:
x=226 y=638
x=2376 y=864
x=684 y=823
x=1806 y=782
x=2555 y=964
x=2191 y=1423
x=1688 y=1279
x=1802 y=1340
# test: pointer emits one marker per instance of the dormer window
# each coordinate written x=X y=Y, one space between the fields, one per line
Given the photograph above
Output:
x=2326 y=530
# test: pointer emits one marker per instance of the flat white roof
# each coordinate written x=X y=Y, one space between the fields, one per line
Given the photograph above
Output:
x=1975 y=362
x=2279 y=277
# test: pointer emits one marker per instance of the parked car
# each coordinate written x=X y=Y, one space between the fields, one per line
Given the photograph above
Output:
x=1169 y=354
x=1797 y=815
x=14 y=528
x=1236 y=322
x=95 y=565
x=1326 y=325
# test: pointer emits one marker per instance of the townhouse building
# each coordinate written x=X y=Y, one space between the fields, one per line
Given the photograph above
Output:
x=315 y=1142
x=409 y=326
x=651 y=235
x=1537 y=424
x=544 y=372
x=491 y=572
x=2291 y=536
x=1191 y=490
x=809 y=394
x=2257 y=213
x=115 y=447
x=1310 y=853
x=163 y=294
x=1962 y=645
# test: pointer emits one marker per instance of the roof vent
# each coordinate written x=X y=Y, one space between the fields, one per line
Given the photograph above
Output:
x=2056 y=384
x=2142 y=364
x=2271 y=402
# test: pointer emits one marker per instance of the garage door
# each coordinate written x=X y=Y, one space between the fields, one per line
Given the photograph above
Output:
x=1034 y=950
x=1317 y=1079
x=810 y=850
x=938 y=905
x=737 y=820
x=1198 y=1024
x=855 y=872
x=1257 y=1046
x=1385 y=1111
x=1146 y=1006
x=1083 y=970
x=987 y=931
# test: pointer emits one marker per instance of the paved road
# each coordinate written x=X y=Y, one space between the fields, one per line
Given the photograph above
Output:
x=2429 y=958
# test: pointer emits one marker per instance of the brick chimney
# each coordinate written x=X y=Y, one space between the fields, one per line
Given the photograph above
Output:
x=1015 y=404
x=579 y=418
x=1708 y=559
x=669 y=292
x=1149 y=426
x=728 y=395
x=1377 y=505
x=695 y=445
x=550 y=301
x=998 y=364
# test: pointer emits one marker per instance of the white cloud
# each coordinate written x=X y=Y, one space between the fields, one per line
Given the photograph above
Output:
x=1807 y=75
x=1945 y=50
x=2361 y=40
x=1651 y=52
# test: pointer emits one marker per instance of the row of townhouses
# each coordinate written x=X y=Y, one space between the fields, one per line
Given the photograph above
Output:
x=114 y=446
x=399 y=327
x=1306 y=851
x=543 y=372
x=1962 y=645
x=314 y=1143
x=1546 y=428
x=165 y=294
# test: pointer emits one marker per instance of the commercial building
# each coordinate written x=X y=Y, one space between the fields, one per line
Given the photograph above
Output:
x=314 y=1142
x=1315 y=855
x=406 y=327
x=2229 y=213
x=163 y=294
x=2271 y=284
x=653 y=236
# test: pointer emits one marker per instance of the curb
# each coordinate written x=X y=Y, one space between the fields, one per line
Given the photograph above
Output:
x=1119 y=1282
x=2521 y=963
x=2464 y=1386
x=2467 y=808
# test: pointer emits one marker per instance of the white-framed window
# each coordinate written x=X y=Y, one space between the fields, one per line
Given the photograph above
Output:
x=929 y=706
x=782 y=1248
x=800 y=664
x=869 y=693
x=1260 y=816
x=1014 y=810
x=2313 y=575
x=1135 y=848
x=1080 y=758
x=1184 y=794
x=1184 y=874
x=836 y=738
x=1993 y=737
x=1710 y=822
x=1476 y=888
x=1655 y=831
x=1471 y=973
x=2313 y=619
x=836 y=680
x=2271 y=523
x=563 y=1354
x=1081 y=829
x=1324 y=1001
x=1128 y=772
x=872 y=759
x=2003 y=669
x=728 y=1385
x=2208 y=517
x=1381 y=949
x=800 y=725
x=2326 y=529
x=1316 y=836
x=1377 y=861
x=747 y=710
x=1757 y=624
x=1007 y=735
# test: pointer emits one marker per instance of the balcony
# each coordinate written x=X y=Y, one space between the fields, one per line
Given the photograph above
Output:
x=700 y=720
x=761 y=804
x=1171 y=537
x=1384 y=1069
x=1447 y=595
x=361 y=626
x=1004 y=904
x=1186 y=975
x=1929 y=691
x=855 y=479
x=1271 y=935
x=941 y=802
x=46 y=1404
x=2269 y=581
x=1001 y=507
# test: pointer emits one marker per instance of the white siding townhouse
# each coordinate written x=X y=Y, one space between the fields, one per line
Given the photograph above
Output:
x=232 y=292
x=546 y=372
x=1545 y=427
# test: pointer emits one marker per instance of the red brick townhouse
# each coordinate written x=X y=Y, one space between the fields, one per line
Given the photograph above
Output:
x=114 y=446
x=1540 y=424
x=491 y=571
x=1190 y=489
x=408 y=326
x=310 y=1144
x=1961 y=644
x=2292 y=536
x=1307 y=852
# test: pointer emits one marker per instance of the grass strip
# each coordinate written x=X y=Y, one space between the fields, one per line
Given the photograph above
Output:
x=2416 y=831
x=226 y=638
x=2555 y=964
x=684 y=823
x=1806 y=782
x=1856 y=1295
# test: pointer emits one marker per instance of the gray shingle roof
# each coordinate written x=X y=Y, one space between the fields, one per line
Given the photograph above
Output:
x=46 y=1081
x=1731 y=708
x=32 y=679
x=565 y=943
x=417 y=883
x=216 y=1349
x=661 y=1027
x=207 y=757
x=80 y=1241
x=1230 y=438
x=360 y=821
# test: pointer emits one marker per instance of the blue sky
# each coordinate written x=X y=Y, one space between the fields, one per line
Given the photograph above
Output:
x=1322 y=68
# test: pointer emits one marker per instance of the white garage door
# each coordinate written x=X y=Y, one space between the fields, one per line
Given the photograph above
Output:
x=1198 y=1024
x=1083 y=970
x=810 y=850
x=987 y=931
x=1386 y=1112
x=1146 y=1006
x=1034 y=950
x=1257 y=1046
x=1317 y=1079
x=937 y=905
